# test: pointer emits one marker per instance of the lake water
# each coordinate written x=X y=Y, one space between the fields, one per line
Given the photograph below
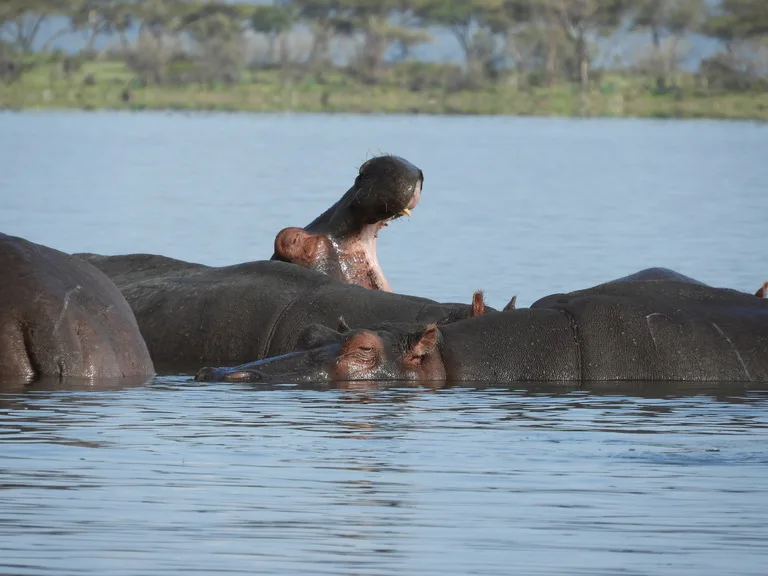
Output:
x=174 y=477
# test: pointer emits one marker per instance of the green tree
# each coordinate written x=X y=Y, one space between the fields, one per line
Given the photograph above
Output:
x=274 y=21
x=325 y=18
x=510 y=32
x=102 y=17
x=381 y=24
x=470 y=21
x=742 y=26
x=738 y=20
x=582 y=19
x=22 y=20
x=216 y=30
x=160 y=25
x=667 y=19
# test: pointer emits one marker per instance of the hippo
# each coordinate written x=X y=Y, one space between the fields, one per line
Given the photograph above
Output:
x=656 y=325
x=60 y=317
x=191 y=314
x=341 y=242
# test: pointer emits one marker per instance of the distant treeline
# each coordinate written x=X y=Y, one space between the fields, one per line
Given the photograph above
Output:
x=541 y=43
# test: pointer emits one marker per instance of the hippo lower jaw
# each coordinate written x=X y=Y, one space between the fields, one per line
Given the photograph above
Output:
x=368 y=241
x=374 y=276
x=358 y=257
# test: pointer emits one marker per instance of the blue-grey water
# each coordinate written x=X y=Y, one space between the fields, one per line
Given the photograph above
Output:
x=173 y=477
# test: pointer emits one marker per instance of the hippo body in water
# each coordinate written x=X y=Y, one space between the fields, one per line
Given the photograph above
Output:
x=653 y=326
x=60 y=317
x=191 y=315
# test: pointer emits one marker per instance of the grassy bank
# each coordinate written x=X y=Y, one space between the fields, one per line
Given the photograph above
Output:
x=109 y=85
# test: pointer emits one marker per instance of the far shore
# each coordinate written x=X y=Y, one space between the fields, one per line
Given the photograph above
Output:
x=109 y=86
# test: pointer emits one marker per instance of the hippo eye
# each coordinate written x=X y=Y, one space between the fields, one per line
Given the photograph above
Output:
x=365 y=348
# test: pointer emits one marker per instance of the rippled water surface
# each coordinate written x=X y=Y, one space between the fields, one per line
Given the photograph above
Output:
x=176 y=478
x=173 y=477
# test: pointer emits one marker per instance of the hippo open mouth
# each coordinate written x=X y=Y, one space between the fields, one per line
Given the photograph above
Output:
x=371 y=275
x=341 y=242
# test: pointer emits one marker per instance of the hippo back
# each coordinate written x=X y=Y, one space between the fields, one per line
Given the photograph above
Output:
x=61 y=317
x=666 y=330
x=511 y=346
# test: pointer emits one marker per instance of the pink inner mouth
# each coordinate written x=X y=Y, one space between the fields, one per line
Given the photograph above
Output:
x=368 y=244
x=367 y=241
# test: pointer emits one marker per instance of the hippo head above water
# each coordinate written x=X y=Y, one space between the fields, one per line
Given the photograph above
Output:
x=389 y=351
x=386 y=352
x=341 y=242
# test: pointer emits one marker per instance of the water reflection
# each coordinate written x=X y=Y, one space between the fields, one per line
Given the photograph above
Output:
x=72 y=384
x=175 y=476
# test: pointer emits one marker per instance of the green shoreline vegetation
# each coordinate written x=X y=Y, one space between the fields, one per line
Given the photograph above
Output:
x=521 y=57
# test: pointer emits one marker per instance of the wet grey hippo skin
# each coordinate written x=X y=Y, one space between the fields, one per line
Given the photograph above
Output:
x=654 y=325
x=193 y=315
x=61 y=317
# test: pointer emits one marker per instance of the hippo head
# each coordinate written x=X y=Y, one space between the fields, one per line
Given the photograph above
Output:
x=341 y=242
x=390 y=351
x=386 y=352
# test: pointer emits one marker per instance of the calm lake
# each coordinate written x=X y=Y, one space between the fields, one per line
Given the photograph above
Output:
x=174 y=477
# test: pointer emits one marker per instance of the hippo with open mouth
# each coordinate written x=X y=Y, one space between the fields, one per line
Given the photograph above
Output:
x=191 y=314
x=341 y=242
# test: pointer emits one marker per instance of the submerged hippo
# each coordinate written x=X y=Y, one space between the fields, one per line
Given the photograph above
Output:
x=654 y=325
x=190 y=314
x=61 y=317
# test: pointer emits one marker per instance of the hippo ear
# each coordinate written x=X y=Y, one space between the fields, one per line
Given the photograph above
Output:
x=512 y=303
x=421 y=344
x=762 y=292
x=298 y=246
x=317 y=335
x=478 y=304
